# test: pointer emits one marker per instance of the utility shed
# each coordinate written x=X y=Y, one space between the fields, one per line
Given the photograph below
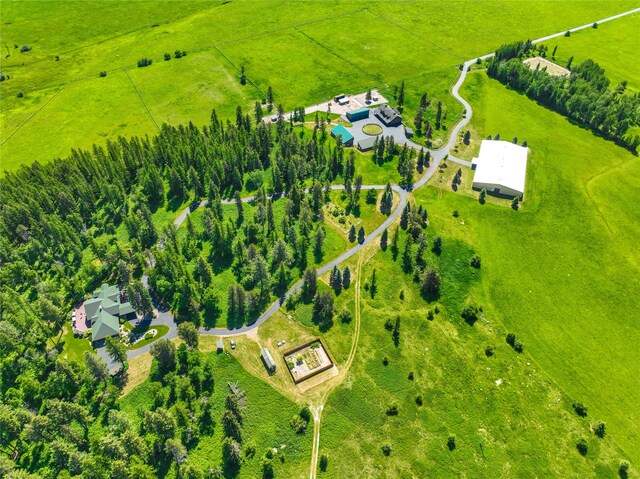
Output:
x=268 y=361
x=359 y=114
x=365 y=144
x=219 y=346
x=340 y=133
x=501 y=168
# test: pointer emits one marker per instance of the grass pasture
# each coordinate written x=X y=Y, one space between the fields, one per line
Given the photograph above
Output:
x=307 y=51
x=575 y=237
x=508 y=418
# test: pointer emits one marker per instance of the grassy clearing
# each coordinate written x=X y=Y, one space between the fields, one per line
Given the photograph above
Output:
x=613 y=45
x=262 y=402
x=574 y=238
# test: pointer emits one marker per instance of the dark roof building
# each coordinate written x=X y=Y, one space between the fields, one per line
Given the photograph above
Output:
x=341 y=133
x=359 y=114
x=268 y=361
x=367 y=143
x=387 y=115
x=104 y=311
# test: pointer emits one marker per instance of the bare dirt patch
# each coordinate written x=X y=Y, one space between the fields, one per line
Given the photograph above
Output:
x=542 y=63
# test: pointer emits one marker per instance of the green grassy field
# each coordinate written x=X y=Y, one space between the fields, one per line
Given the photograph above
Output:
x=262 y=402
x=567 y=264
x=305 y=50
x=508 y=419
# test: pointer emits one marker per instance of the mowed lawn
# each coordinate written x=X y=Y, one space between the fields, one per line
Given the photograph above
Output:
x=307 y=51
x=613 y=45
x=564 y=272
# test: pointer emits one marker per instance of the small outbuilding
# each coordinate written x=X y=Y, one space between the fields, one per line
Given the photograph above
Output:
x=500 y=168
x=268 y=361
x=359 y=114
x=343 y=101
x=339 y=97
x=219 y=346
x=341 y=134
x=408 y=132
x=365 y=144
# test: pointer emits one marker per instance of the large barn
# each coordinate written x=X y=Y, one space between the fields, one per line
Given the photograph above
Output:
x=501 y=168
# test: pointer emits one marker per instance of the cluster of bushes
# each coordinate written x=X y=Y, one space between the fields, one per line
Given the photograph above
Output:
x=144 y=62
x=177 y=54
x=300 y=421
x=515 y=343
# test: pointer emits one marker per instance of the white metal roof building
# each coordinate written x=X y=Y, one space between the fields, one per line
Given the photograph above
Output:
x=501 y=168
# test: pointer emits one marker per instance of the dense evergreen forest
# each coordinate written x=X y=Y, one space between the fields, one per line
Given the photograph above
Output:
x=61 y=227
x=584 y=96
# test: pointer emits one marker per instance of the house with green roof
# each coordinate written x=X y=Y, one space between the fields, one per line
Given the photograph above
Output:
x=341 y=134
x=105 y=310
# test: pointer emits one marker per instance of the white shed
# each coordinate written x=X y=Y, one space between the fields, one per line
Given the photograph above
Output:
x=500 y=168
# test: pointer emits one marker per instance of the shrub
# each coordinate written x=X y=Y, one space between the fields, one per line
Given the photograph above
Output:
x=511 y=339
x=298 y=424
x=345 y=316
x=267 y=469
x=518 y=347
x=430 y=284
x=402 y=295
x=470 y=314
x=455 y=213
x=392 y=410
x=386 y=449
x=269 y=454
x=582 y=447
x=489 y=351
x=324 y=462
x=580 y=409
x=623 y=470
x=25 y=48
x=388 y=324
x=600 y=430
x=305 y=413
x=419 y=400
x=254 y=180
x=451 y=443
x=372 y=197
x=385 y=361
x=20 y=94
x=410 y=376
x=430 y=315
x=144 y=62
x=476 y=262
x=103 y=74
x=167 y=57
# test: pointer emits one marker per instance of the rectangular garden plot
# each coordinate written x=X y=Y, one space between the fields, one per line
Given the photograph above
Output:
x=307 y=360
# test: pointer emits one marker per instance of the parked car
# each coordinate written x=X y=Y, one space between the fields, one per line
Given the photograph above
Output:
x=233 y=344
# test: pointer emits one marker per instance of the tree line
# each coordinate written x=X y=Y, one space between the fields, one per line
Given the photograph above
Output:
x=584 y=96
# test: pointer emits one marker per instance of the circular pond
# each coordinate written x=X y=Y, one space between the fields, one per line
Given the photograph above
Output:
x=372 y=129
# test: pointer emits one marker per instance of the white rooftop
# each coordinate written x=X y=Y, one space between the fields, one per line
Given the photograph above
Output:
x=501 y=163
